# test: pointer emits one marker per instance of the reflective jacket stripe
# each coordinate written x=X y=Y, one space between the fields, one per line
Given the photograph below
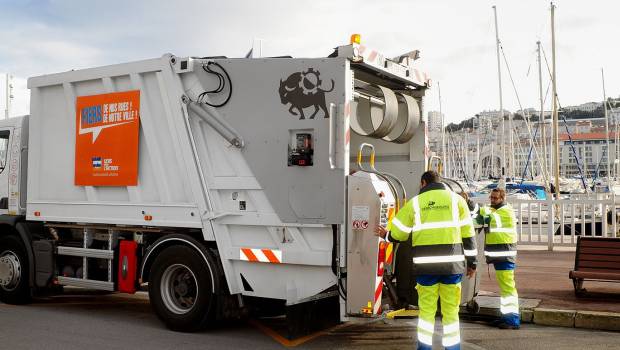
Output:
x=438 y=259
x=504 y=230
x=498 y=220
x=465 y=222
x=455 y=207
x=433 y=225
x=416 y=210
x=504 y=253
x=470 y=252
x=400 y=225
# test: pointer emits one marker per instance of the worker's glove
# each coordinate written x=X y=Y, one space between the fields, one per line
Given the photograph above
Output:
x=479 y=221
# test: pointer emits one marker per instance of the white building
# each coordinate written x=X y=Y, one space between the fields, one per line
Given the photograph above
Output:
x=584 y=107
x=434 y=120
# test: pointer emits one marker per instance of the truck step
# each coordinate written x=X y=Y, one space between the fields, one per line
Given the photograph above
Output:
x=86 y=252
x=83 y=283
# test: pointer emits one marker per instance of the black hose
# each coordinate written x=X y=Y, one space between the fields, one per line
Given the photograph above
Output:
x=220 y=87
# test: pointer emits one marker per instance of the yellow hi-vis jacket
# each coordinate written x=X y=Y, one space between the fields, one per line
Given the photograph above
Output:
x=442 y=228
x=500 y=243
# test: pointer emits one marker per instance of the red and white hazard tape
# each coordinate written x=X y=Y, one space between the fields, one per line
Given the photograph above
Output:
x=376 y=307
x=374 y=57
x=261 y=255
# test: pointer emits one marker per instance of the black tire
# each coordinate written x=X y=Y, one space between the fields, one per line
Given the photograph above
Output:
x=17 y=291
x=181 y=289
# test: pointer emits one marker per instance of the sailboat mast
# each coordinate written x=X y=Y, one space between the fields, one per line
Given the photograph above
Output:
x=541 y=118
x=556 y=139
x=501 y=103
x=606 y=131
x=443 y=135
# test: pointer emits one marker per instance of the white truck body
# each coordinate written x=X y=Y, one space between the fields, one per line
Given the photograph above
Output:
x=277 y=218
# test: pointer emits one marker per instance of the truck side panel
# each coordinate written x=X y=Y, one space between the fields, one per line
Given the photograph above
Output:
x=283 y=213
x=164 y=191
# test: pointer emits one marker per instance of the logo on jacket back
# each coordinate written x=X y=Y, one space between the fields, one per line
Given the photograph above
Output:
x=431 y=206
x=302 y=90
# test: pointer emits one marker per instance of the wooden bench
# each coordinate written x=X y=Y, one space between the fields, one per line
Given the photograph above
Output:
x=596 y=259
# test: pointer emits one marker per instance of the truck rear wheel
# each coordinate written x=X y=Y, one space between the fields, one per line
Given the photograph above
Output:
x=181 y=289
x=14 y=288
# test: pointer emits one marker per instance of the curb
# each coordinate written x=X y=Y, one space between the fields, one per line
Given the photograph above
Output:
x=608 y=321
x=531 y=313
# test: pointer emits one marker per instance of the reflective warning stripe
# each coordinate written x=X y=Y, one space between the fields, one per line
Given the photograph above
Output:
x=509 y=300
x=434 y=225
x=451 y=340
x=470 y=252
x=401 y=226
x=467 y=221
x=261 y=255
x=425 y=339
x=416 y=210
x=455 y=207
x=438 y=259
x=504 y=253
x=504 y=230
x=509 y=309
x=498 y=220
x=451 y=328
x=389 y=254
x=426 y=326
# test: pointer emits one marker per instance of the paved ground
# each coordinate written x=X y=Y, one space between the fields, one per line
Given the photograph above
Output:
x=544 y=275
x=475 y=336
x=117 y=321
x=122 y=322
x=110 y=322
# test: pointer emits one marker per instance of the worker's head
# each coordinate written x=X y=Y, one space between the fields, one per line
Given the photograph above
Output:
x=464 y=195
x=428 y=178
x=497 y=196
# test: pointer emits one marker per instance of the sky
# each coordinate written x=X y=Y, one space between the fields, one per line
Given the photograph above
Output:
x=456 y=39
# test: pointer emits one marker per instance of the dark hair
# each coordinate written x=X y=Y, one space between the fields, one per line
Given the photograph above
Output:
x=464 y=195
x=430 y=177
x=501 y=192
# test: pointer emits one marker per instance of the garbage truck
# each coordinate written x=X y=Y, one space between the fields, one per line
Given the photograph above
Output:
x=213 y=182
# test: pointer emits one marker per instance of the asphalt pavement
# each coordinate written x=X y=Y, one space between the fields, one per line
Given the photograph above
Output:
x=118 y=321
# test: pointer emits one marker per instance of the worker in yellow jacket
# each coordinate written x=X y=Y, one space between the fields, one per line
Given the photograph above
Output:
x=500 y=249
x=444 y=248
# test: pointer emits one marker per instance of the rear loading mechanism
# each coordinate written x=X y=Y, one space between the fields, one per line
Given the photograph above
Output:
x=381 y=113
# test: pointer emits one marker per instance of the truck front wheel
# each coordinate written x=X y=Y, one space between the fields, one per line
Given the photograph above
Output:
x=14 y=288
x=181 y=289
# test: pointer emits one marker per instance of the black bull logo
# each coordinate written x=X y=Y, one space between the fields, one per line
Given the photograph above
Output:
x=303 y=89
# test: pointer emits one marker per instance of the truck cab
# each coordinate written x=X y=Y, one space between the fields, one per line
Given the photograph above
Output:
x=13 y=151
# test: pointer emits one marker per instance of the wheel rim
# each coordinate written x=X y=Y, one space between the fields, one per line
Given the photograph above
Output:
x=179 y=289
x=10 y=271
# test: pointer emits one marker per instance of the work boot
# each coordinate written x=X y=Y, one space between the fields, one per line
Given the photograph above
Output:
x=504 y=325
x=495 y=323
x=407 y=306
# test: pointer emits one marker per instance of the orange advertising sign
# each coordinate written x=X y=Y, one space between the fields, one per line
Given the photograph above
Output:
x=106 y=139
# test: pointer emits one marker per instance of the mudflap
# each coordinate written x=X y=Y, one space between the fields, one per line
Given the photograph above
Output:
x=312 y=316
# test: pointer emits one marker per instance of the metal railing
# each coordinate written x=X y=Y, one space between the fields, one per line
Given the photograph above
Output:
x=558 y=222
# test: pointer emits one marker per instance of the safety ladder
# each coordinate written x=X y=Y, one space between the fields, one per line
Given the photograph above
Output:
x=85 y=252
